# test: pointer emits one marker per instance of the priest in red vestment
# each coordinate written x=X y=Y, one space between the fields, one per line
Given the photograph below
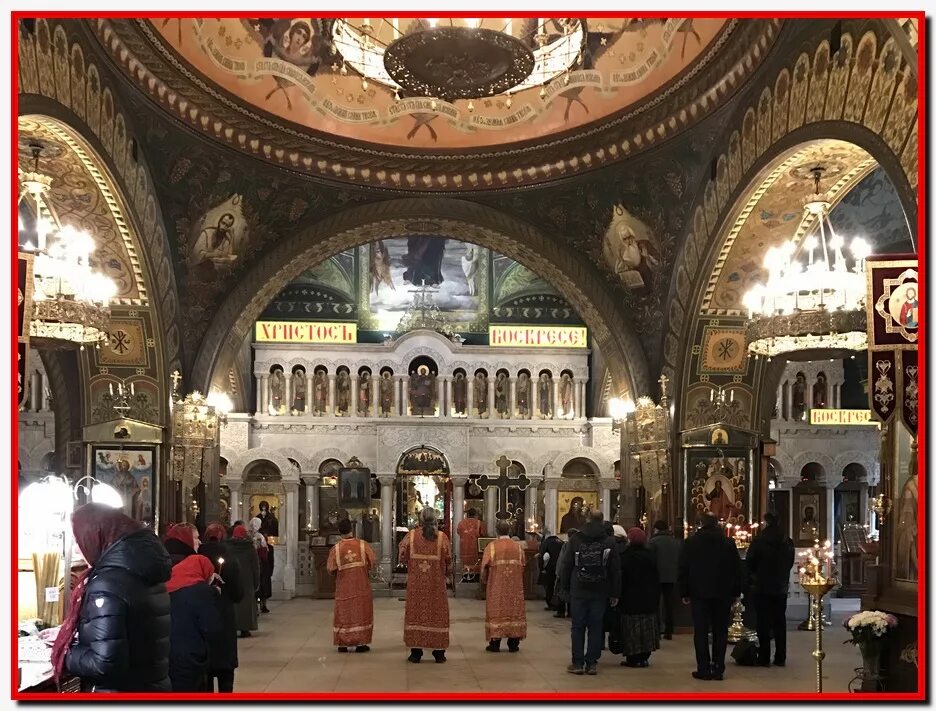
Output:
x=351 y=560
x=469 y=530
x=502 y=572
x=427 y=555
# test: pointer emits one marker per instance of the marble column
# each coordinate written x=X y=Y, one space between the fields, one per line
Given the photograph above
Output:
x=552 y=506
x=529 y=506
x=458 y=513
x=534 y=399
x=440 y=383
x=312 y=499
x=404 y=404
x=311 y=482
x=607 y=490
x=490 y=507
x=386 y=522
x=331 y=395
x=580 y=405
x=787 y=400
x=449 y=402
x=470 y=389
x=292 y=538
x=308 y=397
x=830 y=532
x=809 y=402
x=397 y=384
x=288 y=393
x=264 y=395
x=780 y=401
x=555 y=399
x=490 y=396
x=354 y=395
x=235 y=487
x=863 y=503
x=375 y=397
x=512 y=412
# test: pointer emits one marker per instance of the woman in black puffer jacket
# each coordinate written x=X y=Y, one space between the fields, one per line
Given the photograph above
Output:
x=222 y=646
x=116 y=636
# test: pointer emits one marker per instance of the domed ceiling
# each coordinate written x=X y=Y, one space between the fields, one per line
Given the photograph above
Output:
x=293 y=68
x=397 y=103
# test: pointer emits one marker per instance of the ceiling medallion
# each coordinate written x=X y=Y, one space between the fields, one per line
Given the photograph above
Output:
x=458 y=62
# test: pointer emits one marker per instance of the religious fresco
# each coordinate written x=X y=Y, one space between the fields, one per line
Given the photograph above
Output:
x=218 y=239
x=872 y=209
x=287 y=67
x=630 y=249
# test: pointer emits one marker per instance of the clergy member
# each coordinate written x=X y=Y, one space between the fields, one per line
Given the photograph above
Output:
x=469 y=530
x=502 y=572
x=351 y=560
x=427 y=555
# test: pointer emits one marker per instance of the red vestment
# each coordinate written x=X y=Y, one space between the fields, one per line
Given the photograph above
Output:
x=469 y=530
x=426 y=620
x=502 y=571
x=351 y=559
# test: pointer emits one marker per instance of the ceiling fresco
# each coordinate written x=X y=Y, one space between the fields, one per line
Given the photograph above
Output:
x=872 y=209
x=82 y=197
x=287 y=67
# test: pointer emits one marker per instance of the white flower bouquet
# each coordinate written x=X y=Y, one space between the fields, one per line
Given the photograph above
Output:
x=869 y=626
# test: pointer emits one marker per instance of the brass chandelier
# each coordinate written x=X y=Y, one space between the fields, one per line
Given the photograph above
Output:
x=812 y=299
x=70 y=299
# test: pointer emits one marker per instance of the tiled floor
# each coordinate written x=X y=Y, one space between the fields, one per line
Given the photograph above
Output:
x=292 y=652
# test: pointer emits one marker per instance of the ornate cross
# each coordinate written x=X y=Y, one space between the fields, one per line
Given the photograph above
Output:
x=504 y=482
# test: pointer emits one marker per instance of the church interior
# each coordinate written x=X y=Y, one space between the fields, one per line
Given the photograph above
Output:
x=318 y=270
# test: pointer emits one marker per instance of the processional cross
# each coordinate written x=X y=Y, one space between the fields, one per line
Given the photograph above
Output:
x=504 y=482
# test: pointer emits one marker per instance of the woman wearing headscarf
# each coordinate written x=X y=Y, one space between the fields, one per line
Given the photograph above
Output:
x=181 y=541
x=265 y=553
x=222 y=646
x=639 y=600
x=196 y=618
x=243 y=553
x=116 y=635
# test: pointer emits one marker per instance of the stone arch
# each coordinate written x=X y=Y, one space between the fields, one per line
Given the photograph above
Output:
x=238 y=466
x=603 y=464
x=514 y=455
x=322 y=455
x=865 y=95
x=569 y=273
x=867 y=461
x=823 y=460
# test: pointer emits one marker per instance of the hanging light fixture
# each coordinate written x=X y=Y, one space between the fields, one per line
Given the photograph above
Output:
x=812 y=300
x=70 y=299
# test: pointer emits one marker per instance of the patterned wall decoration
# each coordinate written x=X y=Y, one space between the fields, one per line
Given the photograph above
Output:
x=57 y=74
x=724 y=350
x=866 y=84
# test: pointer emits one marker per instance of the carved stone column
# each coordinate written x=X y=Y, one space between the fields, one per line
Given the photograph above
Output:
x=787 y=400
x=308 y=397
x=458 y=513
x=331 y=395
x=512 y=412
x=292 y=538
x=490 y=508
x=397 y=384
x=534 y=399
x=608 y=487
x=262 y=394
x=404 y=405
x=490 y=401
x=440 y=383
x=580 y=400
x=289 y=393
x=552 y=506
x=386 y=522
x=375 y=396
x=354 y=395
x=554 y=410
x=235 y=487
x=312 y=502
x=449 y=402
x=470 y=390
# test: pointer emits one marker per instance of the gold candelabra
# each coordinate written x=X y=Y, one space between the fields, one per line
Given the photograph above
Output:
x=817 y=578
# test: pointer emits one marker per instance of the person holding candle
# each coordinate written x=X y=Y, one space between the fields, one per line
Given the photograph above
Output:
x=222 y=645
x=769 y=561
x=242 y=550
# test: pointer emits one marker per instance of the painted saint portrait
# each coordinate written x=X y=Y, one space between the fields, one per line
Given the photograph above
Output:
x=630 y=249
x=218 y=239
x=904 y=305
x=130 y=472
x=573 y=507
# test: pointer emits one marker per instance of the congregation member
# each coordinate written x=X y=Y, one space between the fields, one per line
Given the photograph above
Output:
x=710 y=580
x=665 y=549
x=639 y=601
x=769 y=560
x=427 y=555
x=265 y=553
x=115 y=637
x=562 y=592
x=350 y=561
x=222 y=645
x=505 y=608
x=196 y=618
x=244 y=552
x=469 y=530
x=592 y=577
x=181 y=541
x=548 y=560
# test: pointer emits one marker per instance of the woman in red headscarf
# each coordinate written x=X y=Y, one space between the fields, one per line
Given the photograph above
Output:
x=223 y=644
x=116 y=635
x=639 y=601
x=242 y=551
x=181 y=540
x=196 y=618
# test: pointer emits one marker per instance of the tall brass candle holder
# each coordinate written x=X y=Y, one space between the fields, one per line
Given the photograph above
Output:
x=817 y=578
x=737 y=631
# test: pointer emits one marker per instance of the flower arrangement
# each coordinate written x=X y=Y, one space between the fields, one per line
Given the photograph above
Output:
x=869 y=626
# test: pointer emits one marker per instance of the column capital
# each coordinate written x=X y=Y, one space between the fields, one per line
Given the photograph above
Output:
x=310 y=479
x=552 y=484
x=609 y=483
x=386 y=479
x=459 y=479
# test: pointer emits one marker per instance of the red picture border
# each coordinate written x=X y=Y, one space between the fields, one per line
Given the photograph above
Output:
x=920 y=694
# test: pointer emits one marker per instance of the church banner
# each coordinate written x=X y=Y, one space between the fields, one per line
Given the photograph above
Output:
x=538 y=336
x=305 y=332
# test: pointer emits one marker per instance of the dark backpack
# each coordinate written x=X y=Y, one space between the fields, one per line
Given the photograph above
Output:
x=591 y=562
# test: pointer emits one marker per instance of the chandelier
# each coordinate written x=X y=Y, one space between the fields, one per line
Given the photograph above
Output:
x=70 y=299
x=458 y=58
x=812 y=300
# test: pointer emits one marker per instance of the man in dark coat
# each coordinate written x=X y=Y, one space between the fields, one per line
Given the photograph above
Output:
x=592 y=576
x=665 y=548
x=248 y=563
x=222 y=646
x=769 y=560
x=549 y=559
x=710 y=578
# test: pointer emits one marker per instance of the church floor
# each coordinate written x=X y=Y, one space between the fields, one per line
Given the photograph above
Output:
x=292 y=652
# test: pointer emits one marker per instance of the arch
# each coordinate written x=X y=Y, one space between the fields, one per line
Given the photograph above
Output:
x=241 y=463
x=854 y=472
x=321 y=455
x=603 y=464
x=864 y=95
x=569 y=272
x=515 y=455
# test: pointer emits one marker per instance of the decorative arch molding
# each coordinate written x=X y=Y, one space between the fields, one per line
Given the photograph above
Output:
x=865 y=94
x=868 y=461
x=320 y=456
x=824 y=460
x=238 y=467
x=569 y=273
x=514 y=455
x=544 y=460
x=785 y=469
x=603 y=463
